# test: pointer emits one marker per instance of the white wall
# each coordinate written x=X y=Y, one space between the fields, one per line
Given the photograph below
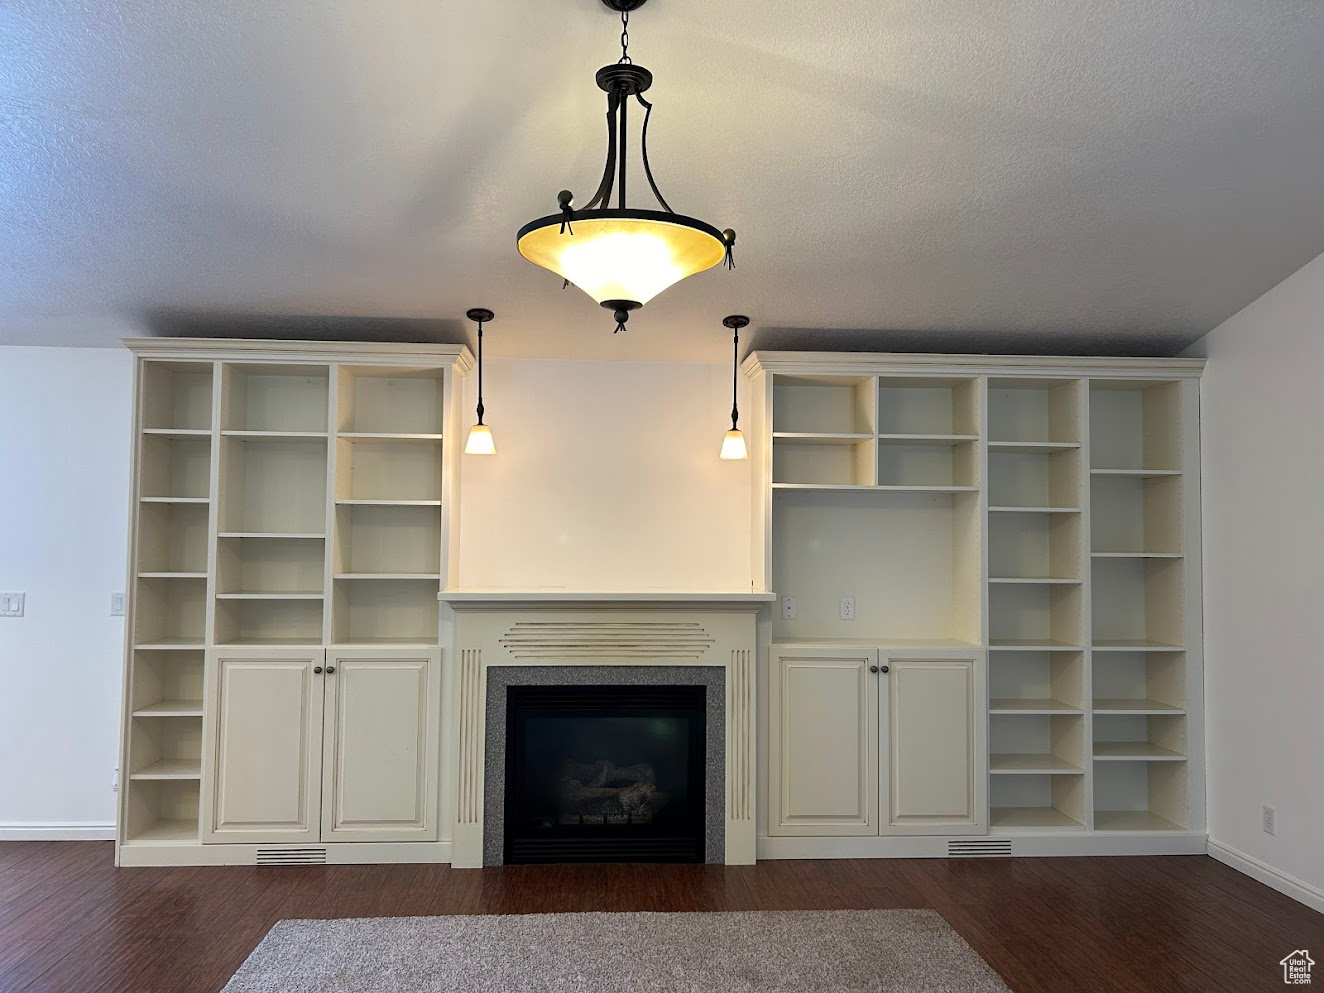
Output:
x=64 y=483
x=606 y=478
x=1263 y=494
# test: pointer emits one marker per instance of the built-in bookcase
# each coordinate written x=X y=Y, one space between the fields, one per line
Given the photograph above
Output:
x=284 y=498
x=868 y=472
x=1042 y=516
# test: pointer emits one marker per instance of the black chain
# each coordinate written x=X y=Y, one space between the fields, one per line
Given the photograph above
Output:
x=625 y=40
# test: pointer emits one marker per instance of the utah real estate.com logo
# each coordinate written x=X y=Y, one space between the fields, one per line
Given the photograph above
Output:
x=1296 y=968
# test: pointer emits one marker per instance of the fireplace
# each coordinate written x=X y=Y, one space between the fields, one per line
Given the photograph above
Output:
x=605 y=773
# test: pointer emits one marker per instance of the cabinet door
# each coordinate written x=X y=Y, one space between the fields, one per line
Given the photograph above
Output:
x=264 y=767
x=931 y=776
x=823 y=742
x=379 y=781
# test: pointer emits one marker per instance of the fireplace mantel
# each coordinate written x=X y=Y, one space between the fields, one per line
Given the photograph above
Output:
x=506 y=599
x=555 y=629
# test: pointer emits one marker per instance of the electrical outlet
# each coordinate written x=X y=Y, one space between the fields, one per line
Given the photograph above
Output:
x=847 y=611
x=11 y=604
x=788 y=608
x=1268 y=815
x=117 y=605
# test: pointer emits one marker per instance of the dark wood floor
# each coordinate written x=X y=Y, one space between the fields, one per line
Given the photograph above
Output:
x=72 y=923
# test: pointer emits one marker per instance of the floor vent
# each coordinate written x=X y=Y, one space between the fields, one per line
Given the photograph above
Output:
x=291 y=856
x=973 y=848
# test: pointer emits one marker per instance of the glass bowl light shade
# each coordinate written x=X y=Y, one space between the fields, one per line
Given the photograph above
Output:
x=733 y=446
x=622 y=254
x=480 y=441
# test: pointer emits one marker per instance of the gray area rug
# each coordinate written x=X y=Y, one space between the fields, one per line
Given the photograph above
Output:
x=842 y=951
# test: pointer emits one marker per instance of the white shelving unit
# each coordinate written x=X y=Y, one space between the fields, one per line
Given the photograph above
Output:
x=288 y=495
x=1038 y=509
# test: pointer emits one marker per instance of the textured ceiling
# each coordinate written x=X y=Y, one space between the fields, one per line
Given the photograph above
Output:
x=1041 y=175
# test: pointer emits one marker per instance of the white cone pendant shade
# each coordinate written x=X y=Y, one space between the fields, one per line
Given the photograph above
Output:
x=481 y=441
x=623 y=258
x=733 y=446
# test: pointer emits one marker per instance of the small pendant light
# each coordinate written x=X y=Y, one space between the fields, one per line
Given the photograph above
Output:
x=733 y=445
x=480 y=440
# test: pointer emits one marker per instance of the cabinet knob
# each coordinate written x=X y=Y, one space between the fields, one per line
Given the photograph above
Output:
x=885 y=669
x=330 y=670
x=317 y=670
x=873 y=668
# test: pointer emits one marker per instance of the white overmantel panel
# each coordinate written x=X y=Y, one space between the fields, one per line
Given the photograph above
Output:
x=613 y=629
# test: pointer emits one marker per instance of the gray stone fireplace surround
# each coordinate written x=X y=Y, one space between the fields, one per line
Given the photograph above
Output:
x=494 y=775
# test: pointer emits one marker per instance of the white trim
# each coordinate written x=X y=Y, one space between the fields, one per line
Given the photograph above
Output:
x=57 y=831
x=1297 y=889
x=1075 y=843
x=920 y=363
x=339 y=853
x=309 y=352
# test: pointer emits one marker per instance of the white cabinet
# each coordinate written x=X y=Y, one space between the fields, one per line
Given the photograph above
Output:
x=262 y=775
x=864 y=742
x=308 y=745
x=823 y=742
x=379 y=778
x=932 y=781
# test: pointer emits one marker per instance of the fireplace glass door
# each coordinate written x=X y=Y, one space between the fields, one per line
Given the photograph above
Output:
x=605 y=774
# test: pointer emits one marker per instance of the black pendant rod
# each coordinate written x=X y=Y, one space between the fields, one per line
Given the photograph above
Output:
x=480 y=315
x=735 y=322
x=624 y=123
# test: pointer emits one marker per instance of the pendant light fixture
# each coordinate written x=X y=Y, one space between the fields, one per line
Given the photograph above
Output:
x=480 y=440
x=733 y=445
x=623 y=256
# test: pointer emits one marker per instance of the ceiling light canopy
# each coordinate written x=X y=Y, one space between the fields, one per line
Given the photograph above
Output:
x=623 y=256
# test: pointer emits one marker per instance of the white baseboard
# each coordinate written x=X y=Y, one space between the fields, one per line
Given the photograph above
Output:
x=57 y=831
x=1297 y=889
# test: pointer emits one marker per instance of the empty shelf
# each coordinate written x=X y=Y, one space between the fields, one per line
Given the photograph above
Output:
x=272 y=534
x=275 y=435
x=1136 y=555
x=1134 y=751
x=167 y=832
x=820 y=438
x=172 y=575
x=1013 y=705
x=1118 y=705
x=1030 y=819
x=264 y=595
x=171 y=769
x=171 y=708
x=1032 y=645
x=1035 y=580
x=389 y=575
x=1034 y=510
x=173 y=499
x=1030 y=764
x=1133 y=645
x=1032 y=447
x=170 y=644
x=1135 y=473
x=388 y=503
x=928 y=440
x=370 y=436
x=1132 y=820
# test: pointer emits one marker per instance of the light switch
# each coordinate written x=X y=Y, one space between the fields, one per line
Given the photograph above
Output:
x=117 y=605
x=11 y=604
